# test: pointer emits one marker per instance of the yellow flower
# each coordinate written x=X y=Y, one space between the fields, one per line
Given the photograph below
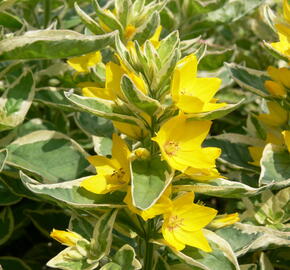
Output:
x=158 y=208
x=276 y=117
x=256 y=152
x=84 y=62
x=191 y=94
x=281 y=81
x=180 y=142
x=114 y=173
x=67 y=238
x=112 y=89
x=286 y=135
x=286 y=10
x=283 y=46
x=224 y=220
x=141 y=153
x=155 y=38
x=184 y=221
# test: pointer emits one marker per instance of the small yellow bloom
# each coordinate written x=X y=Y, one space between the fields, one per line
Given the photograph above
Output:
x=184 y=221
x=276 y=117
x=191 y=94
x=155 y=38
x=286 y=135
x=67 y=238
x=114 y=173
x=130 y=30
x=180 y=142
x=160 y=207
x=112 y=89
x=224 y=220
x=286 y=10
x=256 y=152
x=281 y=81
x=141 y=153
x=84 y=62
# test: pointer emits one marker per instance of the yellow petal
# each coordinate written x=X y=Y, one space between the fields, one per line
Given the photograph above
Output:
x=121 y=153
x=196 y=217
x=84 y=62
x=155 y=38
x=185 y=199
x=213 y=106
x=275 y=88
x=194 y=239
x=184 y=72
x=224 y=220
x=96 y=184
x=139 y=82
x=171 y=239
x=189 y=104
x=103 y=165
x=286 y=134
x=256 y=154
x=276 y=117
x=203 y=174
x=96 y=92
x=286 y=10
x=114 y=74
x=132 y=131
x=130 y=30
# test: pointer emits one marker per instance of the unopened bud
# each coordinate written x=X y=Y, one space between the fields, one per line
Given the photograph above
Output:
x=224 y=220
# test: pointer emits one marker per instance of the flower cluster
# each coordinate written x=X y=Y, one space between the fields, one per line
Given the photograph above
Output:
x=171 y=130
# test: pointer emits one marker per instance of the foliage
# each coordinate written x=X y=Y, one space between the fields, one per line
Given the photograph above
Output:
x=144 y=134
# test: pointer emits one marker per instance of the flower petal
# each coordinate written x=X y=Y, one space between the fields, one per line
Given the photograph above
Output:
x=96 y=184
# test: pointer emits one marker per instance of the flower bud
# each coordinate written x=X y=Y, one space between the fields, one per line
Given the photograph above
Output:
x=67 y=238
x=224 y=220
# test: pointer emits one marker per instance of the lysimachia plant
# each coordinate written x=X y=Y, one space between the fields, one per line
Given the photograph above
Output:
x=127 y=138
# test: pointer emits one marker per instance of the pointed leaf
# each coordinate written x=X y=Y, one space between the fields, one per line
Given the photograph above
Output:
x=149 y=180
x=51 y=44
x=6 y=224
x=102 y=236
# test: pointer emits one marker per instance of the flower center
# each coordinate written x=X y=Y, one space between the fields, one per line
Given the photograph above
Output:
x=174 y=223
x=171 y=148
x=118 y=176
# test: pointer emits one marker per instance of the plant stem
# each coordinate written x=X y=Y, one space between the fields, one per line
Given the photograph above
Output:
x=149 y=248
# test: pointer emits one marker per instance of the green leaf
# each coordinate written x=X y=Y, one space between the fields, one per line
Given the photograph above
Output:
x=83 y=225
x=54 y=97
x=265 y=263
x=111 y=266
x=137 y=98
x=16 y=101
x=71 y=193
x=50 y=154
x=6 y=224
x=275 y=164
x=214 y=59
x=275 y=52
x=91 y=24
x=249 y=79
x=107 y=18
x=10 y=21
x=221 y=257
x=246 y=238
x=47 y=219
x=168 y=45
x=71 y=259
x=51 y=44
x=149 y=180
x=147 y=29
x=3 y=157
x=93 y=125
x=125 y=258
x=234 y=154
x=8 y=262
x=123 y=10
x=219 y=188
x=102 y=236
x=219 y=113
x=7 y=197
x=102 y=108
x=199 y=7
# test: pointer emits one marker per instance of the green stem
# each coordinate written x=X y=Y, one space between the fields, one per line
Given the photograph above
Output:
x=46 y=12
x=149 y=248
